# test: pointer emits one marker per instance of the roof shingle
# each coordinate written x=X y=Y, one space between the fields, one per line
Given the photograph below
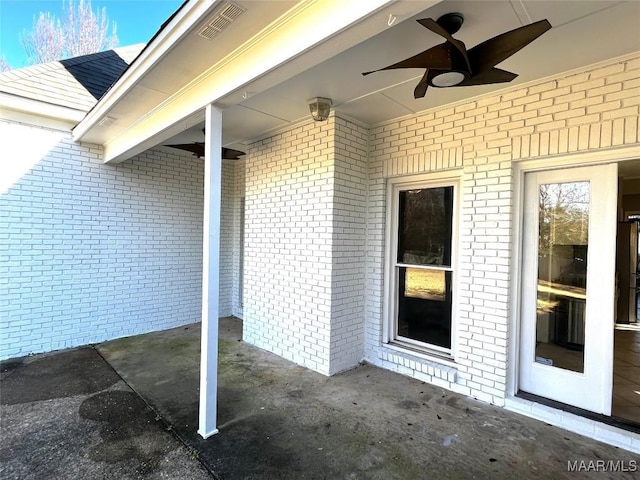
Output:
x=75 y=82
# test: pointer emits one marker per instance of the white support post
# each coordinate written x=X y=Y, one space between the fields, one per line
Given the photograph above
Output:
x=210 y=272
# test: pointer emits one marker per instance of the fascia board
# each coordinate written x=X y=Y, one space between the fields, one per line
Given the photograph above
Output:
x=185 y=18
x=295 y=33
x=15 y=103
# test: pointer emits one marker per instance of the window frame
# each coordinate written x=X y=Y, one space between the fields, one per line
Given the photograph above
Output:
x=391 y=273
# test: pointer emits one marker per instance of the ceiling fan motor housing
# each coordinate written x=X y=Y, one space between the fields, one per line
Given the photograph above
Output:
x=451 y=22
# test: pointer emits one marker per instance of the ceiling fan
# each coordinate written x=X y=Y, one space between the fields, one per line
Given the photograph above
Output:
x=197 y=148
x=450 y=64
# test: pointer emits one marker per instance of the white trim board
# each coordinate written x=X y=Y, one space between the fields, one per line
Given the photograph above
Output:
x=574 y=423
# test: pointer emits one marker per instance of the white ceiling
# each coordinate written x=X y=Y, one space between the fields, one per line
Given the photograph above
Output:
x=583 y=33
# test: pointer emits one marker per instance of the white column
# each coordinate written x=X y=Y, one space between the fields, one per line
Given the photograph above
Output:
x=210 y=272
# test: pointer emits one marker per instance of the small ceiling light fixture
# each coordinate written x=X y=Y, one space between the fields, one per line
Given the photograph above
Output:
x=320 y=108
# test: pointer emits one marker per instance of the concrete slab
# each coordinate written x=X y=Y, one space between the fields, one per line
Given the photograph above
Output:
x=281 y=421
x=68 y=415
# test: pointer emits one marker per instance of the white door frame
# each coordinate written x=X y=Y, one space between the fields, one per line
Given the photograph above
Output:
x=613 y=155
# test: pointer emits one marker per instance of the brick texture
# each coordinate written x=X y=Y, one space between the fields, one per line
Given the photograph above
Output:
x=588 y=111
x=348 y=245
x=304 y=244
x=228 y=239
x=237 y=248
x=288 y=220
x=93 y=251
x=90 y=251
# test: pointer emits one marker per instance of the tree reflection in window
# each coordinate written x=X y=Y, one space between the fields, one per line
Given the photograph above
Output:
x=563 y=237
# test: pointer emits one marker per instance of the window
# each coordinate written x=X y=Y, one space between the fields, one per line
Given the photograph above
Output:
x=420 y=264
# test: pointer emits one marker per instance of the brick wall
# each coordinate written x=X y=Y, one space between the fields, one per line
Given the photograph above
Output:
x=481 y=139
x=304 y=244
x=238 y=237
x=228 y=239
x=90 y=251
x=349 y=237
x=287 y=274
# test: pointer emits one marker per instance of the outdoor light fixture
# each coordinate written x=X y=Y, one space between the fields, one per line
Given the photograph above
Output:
x=320 y=108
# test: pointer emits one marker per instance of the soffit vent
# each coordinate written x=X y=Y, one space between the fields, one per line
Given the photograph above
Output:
x=227 y=13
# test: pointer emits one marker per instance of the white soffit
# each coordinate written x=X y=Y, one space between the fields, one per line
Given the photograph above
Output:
x=176 y=57
x=262 y=88
x=318 y=27
x=241 y=118
x=583 y=33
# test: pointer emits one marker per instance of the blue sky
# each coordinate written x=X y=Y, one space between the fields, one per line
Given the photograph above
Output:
x=137 y=21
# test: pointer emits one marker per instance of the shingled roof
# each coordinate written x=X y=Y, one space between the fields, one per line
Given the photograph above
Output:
x=76 y=83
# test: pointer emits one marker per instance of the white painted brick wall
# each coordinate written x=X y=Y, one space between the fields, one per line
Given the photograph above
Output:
x=305 y=242
x=587 y=111
x=228 y=238
x=238 y=238
x=288 y=233
x=349 y=237
x=89 y=251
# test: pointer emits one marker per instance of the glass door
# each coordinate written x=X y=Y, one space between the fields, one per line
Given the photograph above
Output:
x=568 y=286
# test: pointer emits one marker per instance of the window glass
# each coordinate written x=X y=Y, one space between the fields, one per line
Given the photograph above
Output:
x=423 y=270
x=424 y=305
x=563 y=240
x=424 y=226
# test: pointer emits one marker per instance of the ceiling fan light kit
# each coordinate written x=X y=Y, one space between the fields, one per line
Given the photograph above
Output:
x=450 y=64
x=447 y=79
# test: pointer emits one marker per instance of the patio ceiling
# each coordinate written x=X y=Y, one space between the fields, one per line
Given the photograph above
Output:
x=583 y=33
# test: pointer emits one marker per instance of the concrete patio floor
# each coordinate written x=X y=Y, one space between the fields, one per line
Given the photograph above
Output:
x=68 y=415
x=277 y=421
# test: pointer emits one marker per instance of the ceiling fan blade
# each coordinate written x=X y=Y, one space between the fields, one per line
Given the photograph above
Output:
x=432 y=25
x=231 y=154
x=493 y=51
x=423 y=84
x=436 y=57
x=197 y=148
x=493 y=75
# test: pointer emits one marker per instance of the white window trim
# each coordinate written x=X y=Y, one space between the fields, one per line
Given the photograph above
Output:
x=394 y=186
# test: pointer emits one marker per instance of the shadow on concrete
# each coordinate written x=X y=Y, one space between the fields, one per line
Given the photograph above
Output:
x=82 y=372
x=68 y=415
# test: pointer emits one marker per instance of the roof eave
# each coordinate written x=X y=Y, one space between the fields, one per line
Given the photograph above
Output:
x=27 y=106
x=170 y=33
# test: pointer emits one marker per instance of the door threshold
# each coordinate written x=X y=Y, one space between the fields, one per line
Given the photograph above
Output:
x=617 y=422
x=634 y=327
x=598 y=427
